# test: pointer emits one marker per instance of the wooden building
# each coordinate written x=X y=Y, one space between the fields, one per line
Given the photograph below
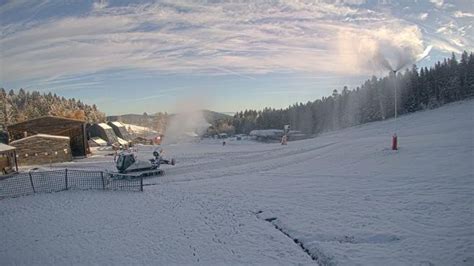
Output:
x=8 y=162
x=74 y=129
x=42 y=149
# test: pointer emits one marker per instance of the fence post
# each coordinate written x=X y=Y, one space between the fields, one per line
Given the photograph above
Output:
x=31 y=181
x=141 y=183
x=65 y=178
x=103 y=182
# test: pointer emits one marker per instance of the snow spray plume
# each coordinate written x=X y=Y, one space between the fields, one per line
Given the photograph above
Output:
x=395 y=58
x=377 y=50
x=187 y=124
x=365 y=51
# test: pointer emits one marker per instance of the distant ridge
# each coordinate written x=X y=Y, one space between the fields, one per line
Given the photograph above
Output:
x=212 y=116
x=156 y=121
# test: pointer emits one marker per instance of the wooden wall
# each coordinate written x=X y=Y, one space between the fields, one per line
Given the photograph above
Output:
x=42 y=150
x=73 y=129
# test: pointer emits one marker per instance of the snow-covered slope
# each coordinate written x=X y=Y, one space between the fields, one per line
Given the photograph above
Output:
x=139 y=130
x=342 y=198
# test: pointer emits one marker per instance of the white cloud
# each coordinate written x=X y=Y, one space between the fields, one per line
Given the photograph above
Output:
x=437 y=3
x=423 y=16
x=100 y=4
x=233 y=38
x=460 y=14
x=352 y=2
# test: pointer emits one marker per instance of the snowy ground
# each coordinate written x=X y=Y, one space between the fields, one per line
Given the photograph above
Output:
x=342 y=198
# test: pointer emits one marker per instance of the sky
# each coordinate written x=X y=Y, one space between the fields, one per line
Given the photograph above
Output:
x=153 y=56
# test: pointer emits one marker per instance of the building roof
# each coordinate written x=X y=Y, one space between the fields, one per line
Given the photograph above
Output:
x=41 y=136
x=122 y=141
x=118 y=124
x=104 y=126
x=5 y=147
x=46 y=124
x=99 y=141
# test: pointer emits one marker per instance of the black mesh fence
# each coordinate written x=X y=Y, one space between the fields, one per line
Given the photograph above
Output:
x=83 y=180
x=135 y=184
x=58 y=180
x=17 y=185
x=49 y=181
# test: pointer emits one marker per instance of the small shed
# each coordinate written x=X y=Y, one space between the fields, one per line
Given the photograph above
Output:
x=120 y=130
x=74 y=129
x=42 y=149
x=103 y=131
x=8 y=162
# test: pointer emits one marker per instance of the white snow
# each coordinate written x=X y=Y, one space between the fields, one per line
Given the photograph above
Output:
x=139 y=130
x=42 y=136
x=99 y=141
x=5 y=147
x=345 y=196
x=117 y=124
x=104 y=126
x=122 y=141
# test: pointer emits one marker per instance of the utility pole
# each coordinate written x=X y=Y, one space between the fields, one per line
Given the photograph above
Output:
x=394 y=137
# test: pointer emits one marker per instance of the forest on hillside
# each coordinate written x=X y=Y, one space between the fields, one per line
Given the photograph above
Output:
x=24 y=105
x=447 y=81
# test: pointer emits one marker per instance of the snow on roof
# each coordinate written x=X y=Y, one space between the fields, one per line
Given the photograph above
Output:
x=5 y=147
x=99 y=141
x=118 y=124
x=122 y=141
x=42 y=136
x=104 y=126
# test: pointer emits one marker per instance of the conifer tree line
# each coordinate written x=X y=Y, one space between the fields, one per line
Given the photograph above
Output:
x=447 y=81
x=25 y=105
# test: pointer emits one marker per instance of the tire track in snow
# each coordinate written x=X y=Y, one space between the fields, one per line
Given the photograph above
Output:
x=315 y=254
x=230 y=167
x=220 y=223
x=247 y=158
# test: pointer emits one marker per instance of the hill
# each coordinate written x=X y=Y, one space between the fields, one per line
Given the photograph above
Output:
x=159 y=121
x=341 y=198
x=211 y=116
